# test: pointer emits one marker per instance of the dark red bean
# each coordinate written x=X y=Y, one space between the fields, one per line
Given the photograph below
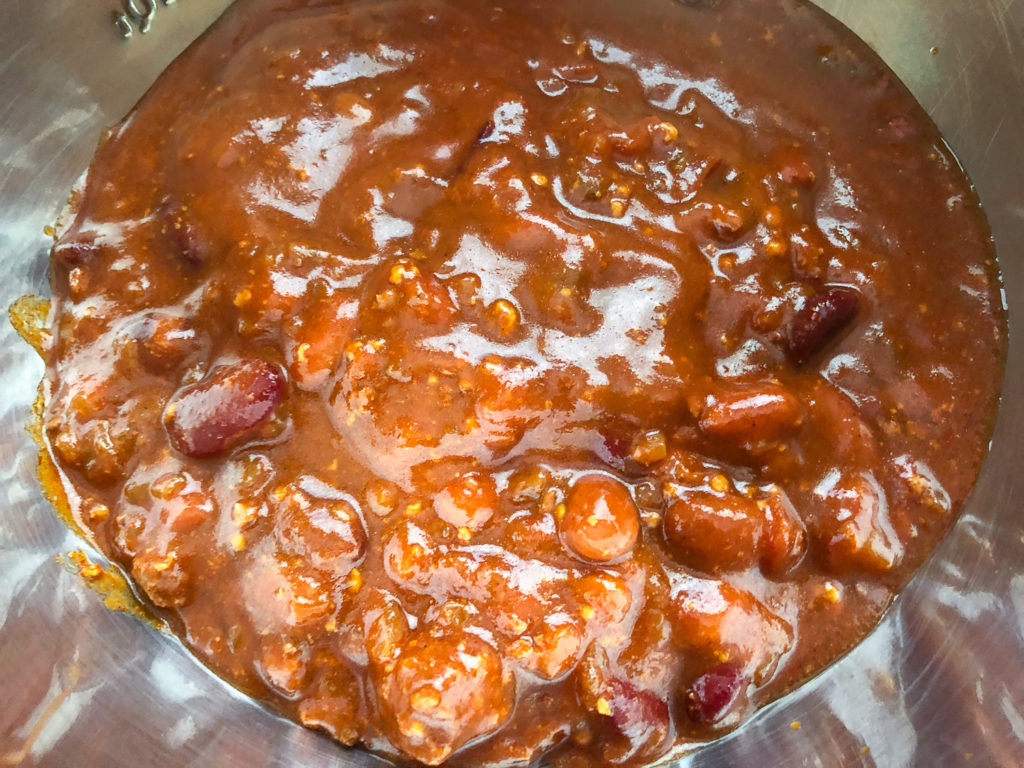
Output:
x=713 y=693
x=483 y=136
x=76 y=251
x=822 y=319
x=183 y=236
x=719 y=621
x=714 y=532
x=632 y=140
x=851 y=522
x=751 y=414
x=617 y=443
x=638 y=714
x=223 y=409
x=485 y=132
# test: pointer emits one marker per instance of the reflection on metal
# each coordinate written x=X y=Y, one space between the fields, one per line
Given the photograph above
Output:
x=137 y=14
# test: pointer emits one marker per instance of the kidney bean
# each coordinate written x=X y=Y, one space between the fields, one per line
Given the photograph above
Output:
x=580 y=72
x=711 y=695
x=636 y=138
x=78 y=250
x=485 y=132
x=468 y=153
x=714 y=532
x=617 y=440
x=751 y=414
x=601 y=522
x=784 y=538
x=639 y=718
x=183 y=236
x=825 y=315
x=223 y=409
x=726 y=223
x=851 y=525
x=639 y=715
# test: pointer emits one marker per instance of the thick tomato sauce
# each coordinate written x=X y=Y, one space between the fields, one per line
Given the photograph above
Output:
x=484 y=382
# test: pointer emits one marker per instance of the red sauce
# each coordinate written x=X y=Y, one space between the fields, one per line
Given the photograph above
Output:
x=484 y=382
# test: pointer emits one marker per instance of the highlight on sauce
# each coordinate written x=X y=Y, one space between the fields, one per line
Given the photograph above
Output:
x=489 y=384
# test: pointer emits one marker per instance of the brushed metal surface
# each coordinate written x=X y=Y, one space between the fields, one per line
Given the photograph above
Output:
x=940 y=681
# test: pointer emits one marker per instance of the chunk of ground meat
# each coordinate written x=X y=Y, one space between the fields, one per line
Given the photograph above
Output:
x=443 y=692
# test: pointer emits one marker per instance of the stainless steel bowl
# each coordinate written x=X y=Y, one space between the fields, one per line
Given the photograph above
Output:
x=939 y=683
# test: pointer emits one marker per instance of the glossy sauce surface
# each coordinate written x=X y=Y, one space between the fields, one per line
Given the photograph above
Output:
x=485 y=383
